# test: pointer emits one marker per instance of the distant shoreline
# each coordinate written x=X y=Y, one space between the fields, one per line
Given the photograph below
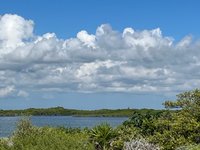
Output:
x=68 y=116
x=60 y=111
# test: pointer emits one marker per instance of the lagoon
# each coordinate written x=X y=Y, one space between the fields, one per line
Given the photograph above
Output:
x=8 y=124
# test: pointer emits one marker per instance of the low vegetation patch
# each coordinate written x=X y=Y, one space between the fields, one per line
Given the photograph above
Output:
x=176 y=128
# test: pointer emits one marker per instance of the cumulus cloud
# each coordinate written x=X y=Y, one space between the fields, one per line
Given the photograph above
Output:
x=88 y=40
x=13 y=30
x=6 y=91
x=107 y=61
x=22 y=93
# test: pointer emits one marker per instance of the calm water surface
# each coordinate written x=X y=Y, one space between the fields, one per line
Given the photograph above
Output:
x=8 y=124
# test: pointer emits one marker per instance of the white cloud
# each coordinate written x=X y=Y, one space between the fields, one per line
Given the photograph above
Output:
x=88 y=40
x=107 y=61
x=146 y=39
x=13 y=29
x=128 y=31
x=22 y=93
x=6 y=91
x=186 y=41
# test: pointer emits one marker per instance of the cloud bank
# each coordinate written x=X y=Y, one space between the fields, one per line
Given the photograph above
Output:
x=107 y=61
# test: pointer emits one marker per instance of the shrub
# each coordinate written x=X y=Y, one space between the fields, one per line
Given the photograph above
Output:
x=102 y=136
x=140 y=144
x=28 y=137
x=191 y=147
x=124 y=134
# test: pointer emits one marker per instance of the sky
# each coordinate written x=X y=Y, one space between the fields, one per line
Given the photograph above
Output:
x=97 y=54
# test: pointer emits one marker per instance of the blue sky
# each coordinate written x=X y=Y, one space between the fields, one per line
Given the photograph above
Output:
x=176 y=18
x=97 y=54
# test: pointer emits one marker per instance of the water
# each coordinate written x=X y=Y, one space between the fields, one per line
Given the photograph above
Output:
x=8 y=124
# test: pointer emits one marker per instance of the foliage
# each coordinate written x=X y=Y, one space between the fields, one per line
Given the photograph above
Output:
x=24 y=127
x=28 y=137
x=70 y=130
x=140 y=144
x=102 y=136
x=188 y=101
x=172 y=128
x=190 y=147
x=60 y=111
x=143 y=120
x=124 y=134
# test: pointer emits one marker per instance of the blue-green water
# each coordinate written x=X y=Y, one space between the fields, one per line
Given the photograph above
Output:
x=8 y=124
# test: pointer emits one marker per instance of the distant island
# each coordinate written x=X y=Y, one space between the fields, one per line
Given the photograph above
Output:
x=60 y=111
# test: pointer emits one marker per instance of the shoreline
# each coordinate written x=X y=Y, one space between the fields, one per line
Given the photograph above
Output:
x=60 y=111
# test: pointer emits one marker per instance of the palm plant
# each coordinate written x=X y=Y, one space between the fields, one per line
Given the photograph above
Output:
x=102 y=135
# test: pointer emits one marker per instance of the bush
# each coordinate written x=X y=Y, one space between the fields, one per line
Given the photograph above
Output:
x=139 y=144
x=124 y=134
x=28 y=137
x=191 y=147
x=102 y=136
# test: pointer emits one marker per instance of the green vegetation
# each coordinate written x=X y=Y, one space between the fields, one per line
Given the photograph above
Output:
x=172 y=129
x=28 y=137
x=145 y=130
x=60 y=111
x=102 y=136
